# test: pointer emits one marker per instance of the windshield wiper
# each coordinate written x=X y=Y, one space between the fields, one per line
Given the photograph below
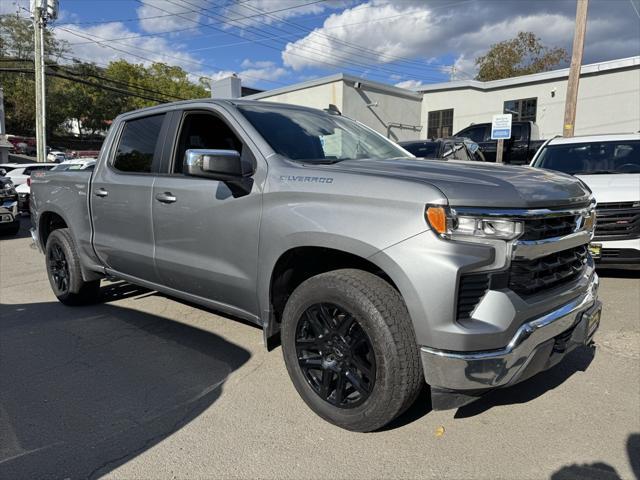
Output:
x=328 y=161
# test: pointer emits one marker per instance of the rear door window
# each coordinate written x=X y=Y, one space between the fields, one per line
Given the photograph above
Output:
x=477 y=134
x=138 y=144
x=516 y=132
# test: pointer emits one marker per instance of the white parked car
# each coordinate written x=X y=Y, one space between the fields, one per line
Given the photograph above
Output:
x=610 y=166
x=20 y=172
x=76 y=164
x=24 y=190
x=56 y=156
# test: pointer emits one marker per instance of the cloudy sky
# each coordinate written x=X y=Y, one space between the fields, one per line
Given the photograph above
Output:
x=271 y=43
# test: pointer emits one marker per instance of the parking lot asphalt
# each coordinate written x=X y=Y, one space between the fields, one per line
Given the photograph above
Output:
x=144 y=386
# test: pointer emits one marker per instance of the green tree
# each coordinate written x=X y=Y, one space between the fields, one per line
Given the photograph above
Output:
x=16 y=52
x=16 y=40
x=521 y=55
x=80 y=91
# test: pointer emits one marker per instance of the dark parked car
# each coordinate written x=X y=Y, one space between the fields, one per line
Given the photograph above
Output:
x=518 y=150
x=9 y=222
x=453 y=148
x=7 y=191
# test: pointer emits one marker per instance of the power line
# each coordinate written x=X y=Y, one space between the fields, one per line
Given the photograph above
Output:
x=317 y=51
x=273 y=37
x=166 y=32
x=70 y=71
x=351 y=45
x=73 y=32
x=169 y=96
x=102 y=41
x=193 y=28
x=86 y=82
x=267 y=36
x=137 y=19
x=335 y=63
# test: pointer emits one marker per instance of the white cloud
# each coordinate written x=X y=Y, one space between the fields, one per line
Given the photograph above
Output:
x=255 y=12
x=254 y=71
x=219 y=75
x=386 y=31
x=410 y=84
x=8 y=7
x=163 y=16
x=380 y=31
x=145 y=50
x=246 y=63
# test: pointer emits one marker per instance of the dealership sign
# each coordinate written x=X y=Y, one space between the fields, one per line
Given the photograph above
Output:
x=501 y=127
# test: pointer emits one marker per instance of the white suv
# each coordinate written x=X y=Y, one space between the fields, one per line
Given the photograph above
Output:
x=24 y=190
x=610 y=166
x=19 y=172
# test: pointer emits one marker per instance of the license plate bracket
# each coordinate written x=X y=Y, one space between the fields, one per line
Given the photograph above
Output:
x=593 y=321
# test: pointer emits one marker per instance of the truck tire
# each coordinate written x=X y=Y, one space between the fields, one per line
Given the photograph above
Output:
x=63 y=270
x=350 y=349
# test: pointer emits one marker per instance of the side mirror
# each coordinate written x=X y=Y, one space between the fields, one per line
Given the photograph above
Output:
x=224 y=165
x=219 y=164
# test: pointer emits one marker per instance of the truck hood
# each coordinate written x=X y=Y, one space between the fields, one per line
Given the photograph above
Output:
x=479 y=184
x=619 y=187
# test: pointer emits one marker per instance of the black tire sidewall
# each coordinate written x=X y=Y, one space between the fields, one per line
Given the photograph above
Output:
x=325 y=289
x=63 y=239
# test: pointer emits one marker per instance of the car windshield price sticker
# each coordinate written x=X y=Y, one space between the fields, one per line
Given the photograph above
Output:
x=501 y=127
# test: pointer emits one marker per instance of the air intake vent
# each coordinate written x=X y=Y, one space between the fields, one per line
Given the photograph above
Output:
x=471 y=290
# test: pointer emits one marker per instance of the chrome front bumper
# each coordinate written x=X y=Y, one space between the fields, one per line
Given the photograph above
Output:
x=536 y=346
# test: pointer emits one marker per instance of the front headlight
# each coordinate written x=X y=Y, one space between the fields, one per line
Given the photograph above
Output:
x=446 y=223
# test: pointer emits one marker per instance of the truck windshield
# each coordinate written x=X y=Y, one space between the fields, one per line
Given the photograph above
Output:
x=318 y=137
x=592 y=158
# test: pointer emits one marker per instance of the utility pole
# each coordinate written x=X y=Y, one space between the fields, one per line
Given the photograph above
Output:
x=41 y=11
x=5 y=146
x=574 y=70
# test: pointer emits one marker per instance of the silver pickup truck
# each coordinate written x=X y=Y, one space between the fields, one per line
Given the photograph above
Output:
x=373 y=269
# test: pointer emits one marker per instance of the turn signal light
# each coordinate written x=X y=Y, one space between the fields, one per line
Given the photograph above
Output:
x=437 y=219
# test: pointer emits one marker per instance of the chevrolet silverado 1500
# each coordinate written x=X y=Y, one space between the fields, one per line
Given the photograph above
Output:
x=374 y=269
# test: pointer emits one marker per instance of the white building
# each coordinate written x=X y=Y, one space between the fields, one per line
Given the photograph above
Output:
x=608 y=101
x=394 y=112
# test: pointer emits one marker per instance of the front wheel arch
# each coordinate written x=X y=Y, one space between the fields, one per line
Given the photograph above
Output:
x=301 y=263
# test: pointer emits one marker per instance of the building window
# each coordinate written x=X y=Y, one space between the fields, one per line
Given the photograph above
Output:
x=440 y=124
x=523 y=109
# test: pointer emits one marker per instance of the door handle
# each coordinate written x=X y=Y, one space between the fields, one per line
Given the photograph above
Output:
x=166 y=197
x=101 y=192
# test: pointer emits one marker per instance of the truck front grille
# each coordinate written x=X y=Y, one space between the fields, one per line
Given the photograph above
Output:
x=527 y=277
x=470 y=291
x=617 y=221
x=549 y=227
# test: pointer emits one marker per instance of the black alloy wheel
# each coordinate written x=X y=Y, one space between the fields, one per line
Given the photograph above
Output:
x=335 y=355
x=65 y=273
x=59 y=268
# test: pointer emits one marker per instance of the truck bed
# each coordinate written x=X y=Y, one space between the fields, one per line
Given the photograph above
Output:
x=58 y=192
